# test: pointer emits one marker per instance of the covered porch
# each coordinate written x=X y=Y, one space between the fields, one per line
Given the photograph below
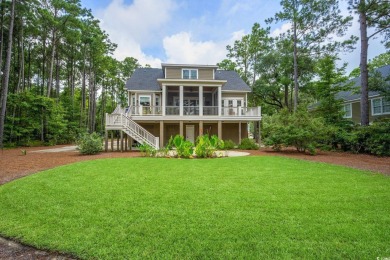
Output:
x=225 y=130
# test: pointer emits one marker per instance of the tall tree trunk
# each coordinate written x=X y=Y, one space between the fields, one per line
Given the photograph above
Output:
x=20 y=84
x=296 y=87
x=57 y=77
x=286 y=97
x=364 y=119
x=53 y=53
x=6 y=75
x=43 y=66
x=83 y=83
x=29 y=67
x=83 y=90
x=1 y=41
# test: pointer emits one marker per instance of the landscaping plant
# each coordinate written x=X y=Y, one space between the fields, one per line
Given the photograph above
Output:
x=248 y=144
x=90 y=143
x=147 y=150
x=298 y=129
x=229 y=144
x=206 y=146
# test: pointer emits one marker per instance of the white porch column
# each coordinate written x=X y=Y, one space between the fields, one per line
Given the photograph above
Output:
x=181 y=91
x=153 y=104
x=219 y=101
x=201 y=100
x=200 y=128
x=163 y=99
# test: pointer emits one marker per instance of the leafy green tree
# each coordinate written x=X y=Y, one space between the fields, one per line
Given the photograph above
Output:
x=246 y=52
x=312 y=24
x=227 y=64
x=331 y=80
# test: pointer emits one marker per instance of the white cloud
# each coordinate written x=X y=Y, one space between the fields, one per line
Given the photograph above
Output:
x=283 y=29
x=181 y=48
x=134 y=25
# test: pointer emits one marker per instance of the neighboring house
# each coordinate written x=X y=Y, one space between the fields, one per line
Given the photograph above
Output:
x=379 y=107
x=185 y=99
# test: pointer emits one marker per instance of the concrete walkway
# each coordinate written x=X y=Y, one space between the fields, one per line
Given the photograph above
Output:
x=72 y=148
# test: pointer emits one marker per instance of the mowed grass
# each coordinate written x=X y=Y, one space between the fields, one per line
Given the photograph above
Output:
x=248 y=207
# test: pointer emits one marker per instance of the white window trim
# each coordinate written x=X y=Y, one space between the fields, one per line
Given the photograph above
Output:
x=234 y=99
x=381 y=106
x=149 y=96
x=350 y=108
x=183 y=69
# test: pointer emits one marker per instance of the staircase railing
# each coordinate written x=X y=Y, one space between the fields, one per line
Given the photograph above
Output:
x=134 y=130
x=138 y=132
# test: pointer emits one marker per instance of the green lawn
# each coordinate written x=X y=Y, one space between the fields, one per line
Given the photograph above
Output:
x=244 y=207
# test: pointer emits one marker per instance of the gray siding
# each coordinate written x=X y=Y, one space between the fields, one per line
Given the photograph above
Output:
x=356 y=113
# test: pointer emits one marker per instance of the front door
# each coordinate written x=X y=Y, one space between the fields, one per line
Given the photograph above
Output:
x=190 y=133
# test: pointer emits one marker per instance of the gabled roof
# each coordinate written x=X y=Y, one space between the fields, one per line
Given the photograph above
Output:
x=234 y=81
x=354 y=94
x=145 y=79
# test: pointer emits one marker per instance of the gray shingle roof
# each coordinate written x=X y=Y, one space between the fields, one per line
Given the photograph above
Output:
x=354 y=93
x=146 y=79
x=234 y=81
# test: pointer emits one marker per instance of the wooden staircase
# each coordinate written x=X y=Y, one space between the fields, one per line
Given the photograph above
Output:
x=119 y=120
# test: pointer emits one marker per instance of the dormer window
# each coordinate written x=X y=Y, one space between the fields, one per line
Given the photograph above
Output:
x=190 y=74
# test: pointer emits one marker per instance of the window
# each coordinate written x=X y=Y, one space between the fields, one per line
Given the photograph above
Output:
x=158 y=100
x=190 y=74
x=144 y=100
x=380 y=106
x=347 y=109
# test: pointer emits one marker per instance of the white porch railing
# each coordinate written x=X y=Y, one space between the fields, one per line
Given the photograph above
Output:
x=241 y=111
x=192 y=111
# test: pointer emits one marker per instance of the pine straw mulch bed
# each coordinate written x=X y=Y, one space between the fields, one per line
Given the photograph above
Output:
x=14 y=164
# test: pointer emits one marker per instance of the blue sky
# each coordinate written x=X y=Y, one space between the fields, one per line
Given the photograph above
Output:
x=188 y=31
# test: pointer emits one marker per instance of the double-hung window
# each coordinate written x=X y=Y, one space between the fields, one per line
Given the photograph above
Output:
x=190 y=73
x=380 y=106
x=347 y=109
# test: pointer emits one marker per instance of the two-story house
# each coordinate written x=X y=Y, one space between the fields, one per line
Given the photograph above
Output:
x=185 y=99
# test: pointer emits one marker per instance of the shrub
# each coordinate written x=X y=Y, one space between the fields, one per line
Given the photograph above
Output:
x=248 y=144
x=373 y=139
x=377 y=138
x=229 y=144
x=147 y=151
x=90 y=143
x=298 y=129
